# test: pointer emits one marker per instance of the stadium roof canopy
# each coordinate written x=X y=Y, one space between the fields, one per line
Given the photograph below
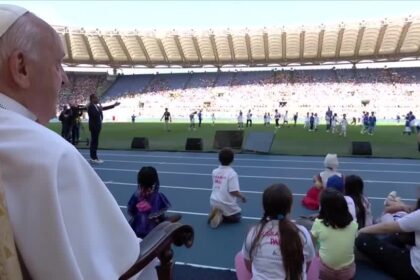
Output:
x=384 y=40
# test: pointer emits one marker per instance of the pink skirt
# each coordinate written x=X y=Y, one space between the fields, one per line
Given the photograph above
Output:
x=345 y=273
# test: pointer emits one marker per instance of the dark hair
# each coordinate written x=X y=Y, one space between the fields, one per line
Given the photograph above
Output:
x=226 y=156
x=334 y=211
x=148 y=178
x=277 y=202
x=91 y=97
x=353 y=187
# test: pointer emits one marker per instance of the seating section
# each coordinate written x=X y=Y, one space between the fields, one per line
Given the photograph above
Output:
x=80 y=86
x=225 y=93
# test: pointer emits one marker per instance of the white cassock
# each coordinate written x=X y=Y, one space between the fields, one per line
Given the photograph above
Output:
x=66 y=223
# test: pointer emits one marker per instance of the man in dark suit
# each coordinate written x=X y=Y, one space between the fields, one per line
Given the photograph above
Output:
x=65 y=118
x=95 y=124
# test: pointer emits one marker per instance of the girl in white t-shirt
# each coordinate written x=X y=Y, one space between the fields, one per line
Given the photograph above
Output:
x=344 y=124
x=316 y=122
x=306 y=124
x=240 y=120
x=334 y=121
x=276 y=248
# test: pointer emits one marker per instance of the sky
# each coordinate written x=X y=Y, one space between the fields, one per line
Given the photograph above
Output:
x=166 y=15
x=129 y=15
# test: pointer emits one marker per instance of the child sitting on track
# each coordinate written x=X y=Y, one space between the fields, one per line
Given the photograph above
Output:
x=147 y=206
x=275 y=248
x=335 y=232
x=223 y=199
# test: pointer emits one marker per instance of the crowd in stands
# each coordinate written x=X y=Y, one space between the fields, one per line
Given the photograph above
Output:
x=79 y=87
x=387 y=92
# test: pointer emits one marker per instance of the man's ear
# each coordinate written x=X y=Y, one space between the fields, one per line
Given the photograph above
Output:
x=18 y=66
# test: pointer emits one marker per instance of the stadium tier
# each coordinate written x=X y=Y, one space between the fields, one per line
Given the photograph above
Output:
x=388 y=92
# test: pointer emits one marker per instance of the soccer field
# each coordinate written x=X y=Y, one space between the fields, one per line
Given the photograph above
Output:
x=388 y=140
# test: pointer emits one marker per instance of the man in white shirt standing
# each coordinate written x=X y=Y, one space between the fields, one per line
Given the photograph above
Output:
x=249 y=119
x=223 y=199
x=66 y=223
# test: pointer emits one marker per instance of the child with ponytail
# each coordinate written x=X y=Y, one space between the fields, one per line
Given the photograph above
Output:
x=276 y=248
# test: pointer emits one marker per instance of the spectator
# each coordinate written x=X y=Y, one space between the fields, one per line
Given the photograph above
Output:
x=147 y=206
x=225 y=192
x=396 y=259
x=353 y=188
x=335 y=232
x=276 y=248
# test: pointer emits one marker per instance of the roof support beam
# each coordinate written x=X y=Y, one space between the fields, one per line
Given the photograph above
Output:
x=402 y=38
x=320 y=44
x=248 y=47
x=105 y=46
x=214 y=48
x=88 y=48
x=359 y=41
x=143 y=48
x=68 y=43
x=266 y=52
x=380 y=40
x=339 y=43
x=162 y=50
x=197 y=49
x=232 y=50
x=125 y=50
x=301 y=45
x=283 y=46
x=179 y=48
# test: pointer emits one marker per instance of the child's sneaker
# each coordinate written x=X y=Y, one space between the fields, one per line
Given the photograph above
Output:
x=211 y=215
x=392 y=197
x=217 y=218
x=173 y=218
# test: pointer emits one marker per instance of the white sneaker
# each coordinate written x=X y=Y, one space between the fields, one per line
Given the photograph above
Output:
x=392 y=197
x=217 y=219
x=98 y=161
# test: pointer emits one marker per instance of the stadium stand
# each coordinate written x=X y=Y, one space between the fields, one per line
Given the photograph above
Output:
x=80 y=86
x=225 y=93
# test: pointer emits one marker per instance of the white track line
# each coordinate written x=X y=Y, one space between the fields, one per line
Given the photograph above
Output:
x=253 y=176
x=197 y=213
x=243 y=191
x=206 y=266
x=239 y=158
x=263 y=167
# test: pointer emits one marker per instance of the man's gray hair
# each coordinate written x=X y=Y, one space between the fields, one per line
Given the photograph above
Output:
x=23 y=35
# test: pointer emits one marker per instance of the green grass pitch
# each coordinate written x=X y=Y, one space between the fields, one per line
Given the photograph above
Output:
x=388 y=140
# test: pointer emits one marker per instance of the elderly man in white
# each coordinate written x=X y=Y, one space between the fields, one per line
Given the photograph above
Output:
x=66 y=223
